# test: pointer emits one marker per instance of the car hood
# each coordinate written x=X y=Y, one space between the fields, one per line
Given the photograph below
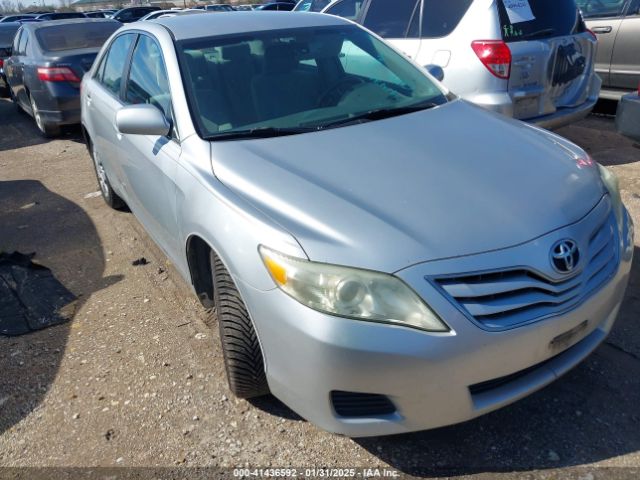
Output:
x=452 y=181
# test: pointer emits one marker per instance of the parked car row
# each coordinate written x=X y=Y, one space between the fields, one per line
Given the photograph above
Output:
x=540 y=69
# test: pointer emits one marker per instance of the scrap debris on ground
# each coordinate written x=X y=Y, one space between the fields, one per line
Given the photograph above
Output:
x=31 y=298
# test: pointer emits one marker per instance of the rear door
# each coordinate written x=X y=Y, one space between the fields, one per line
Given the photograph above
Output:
x=603 y=18
x=552 y=52
x=625 y=60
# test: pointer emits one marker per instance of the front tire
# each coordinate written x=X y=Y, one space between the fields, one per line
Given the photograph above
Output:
x=242 y=353
x=46 y=129
x=110 y=197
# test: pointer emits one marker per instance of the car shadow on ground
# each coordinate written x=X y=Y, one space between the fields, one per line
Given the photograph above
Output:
x=589 y=415
x=63 y=237
x=274 y=407
x=19 y=129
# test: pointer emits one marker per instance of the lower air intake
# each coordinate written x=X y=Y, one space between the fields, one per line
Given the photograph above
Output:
x=352 y=404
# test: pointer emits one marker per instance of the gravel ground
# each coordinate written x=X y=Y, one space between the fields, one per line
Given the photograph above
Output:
x=137 y=379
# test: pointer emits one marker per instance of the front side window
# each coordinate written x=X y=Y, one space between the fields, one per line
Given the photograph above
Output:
x=148 y=80
x=114 y=64
x=349 y=9
x=601 y=8
x=311 y=78
x=391 y=19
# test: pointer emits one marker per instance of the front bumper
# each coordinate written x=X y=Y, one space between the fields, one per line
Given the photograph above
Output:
x=426 y=376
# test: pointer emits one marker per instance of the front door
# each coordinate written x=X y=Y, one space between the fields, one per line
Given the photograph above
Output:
x=149 y=162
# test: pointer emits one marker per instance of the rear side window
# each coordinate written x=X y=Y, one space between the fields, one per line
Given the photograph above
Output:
x=601 y=8
x=537 y=19
x=391 y=18
x=349 y=9
x=78 y=35
x=440 y=18
x=115 y=61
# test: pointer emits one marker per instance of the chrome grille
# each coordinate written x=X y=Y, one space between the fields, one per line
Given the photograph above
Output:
x=504 y=299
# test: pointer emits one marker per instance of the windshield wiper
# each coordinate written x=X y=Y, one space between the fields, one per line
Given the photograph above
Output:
x=262 y=132
x=380 y=114
x=539 y=33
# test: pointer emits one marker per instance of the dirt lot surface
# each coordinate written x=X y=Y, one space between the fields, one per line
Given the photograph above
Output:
x=137 y=379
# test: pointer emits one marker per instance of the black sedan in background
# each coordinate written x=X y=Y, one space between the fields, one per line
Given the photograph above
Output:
x=7 y=33
x=46 y=66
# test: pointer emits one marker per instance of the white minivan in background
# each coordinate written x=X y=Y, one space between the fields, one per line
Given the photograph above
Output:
x=528 y=59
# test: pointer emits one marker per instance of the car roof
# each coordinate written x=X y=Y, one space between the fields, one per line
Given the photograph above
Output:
x=68 y=21
x=185 y=27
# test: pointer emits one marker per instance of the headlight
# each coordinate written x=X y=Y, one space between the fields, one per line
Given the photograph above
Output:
x=349 y=292
x=610 y=181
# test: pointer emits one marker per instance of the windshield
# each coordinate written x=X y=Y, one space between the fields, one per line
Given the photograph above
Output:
x=307 y=78
x=601 y=8
x=77 y=35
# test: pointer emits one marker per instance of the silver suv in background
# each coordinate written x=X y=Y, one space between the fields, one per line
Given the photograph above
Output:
x=532 y=60
x=617 y=25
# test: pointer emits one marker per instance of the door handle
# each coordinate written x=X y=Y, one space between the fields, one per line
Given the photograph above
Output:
x=602 y=29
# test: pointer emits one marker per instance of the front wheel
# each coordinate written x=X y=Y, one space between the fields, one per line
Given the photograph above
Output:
x=242 y=353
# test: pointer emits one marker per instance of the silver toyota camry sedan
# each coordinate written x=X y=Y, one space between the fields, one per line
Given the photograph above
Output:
x=380 y=255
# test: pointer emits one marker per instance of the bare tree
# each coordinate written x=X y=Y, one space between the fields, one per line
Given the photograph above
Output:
x=7 y=6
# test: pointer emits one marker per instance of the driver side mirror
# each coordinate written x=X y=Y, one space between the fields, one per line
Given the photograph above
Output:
x=142 y=119
x=436 y=71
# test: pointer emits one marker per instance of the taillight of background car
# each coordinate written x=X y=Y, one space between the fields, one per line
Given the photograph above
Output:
x=495 y=55
x=57 y=74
